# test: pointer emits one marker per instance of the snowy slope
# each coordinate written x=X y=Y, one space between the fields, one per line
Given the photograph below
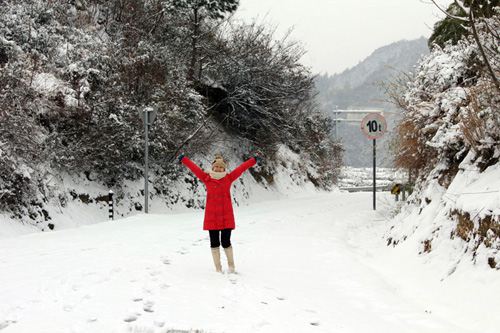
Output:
x=312 y=264
x=75 y=200
x=449 y=136
x=401 y=56
x=433 y=225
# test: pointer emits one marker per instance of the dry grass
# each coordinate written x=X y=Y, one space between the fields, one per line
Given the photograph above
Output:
x=465 y=226
x=411 y=151
x=427 y=246
x=487 y=231
x=471 y=124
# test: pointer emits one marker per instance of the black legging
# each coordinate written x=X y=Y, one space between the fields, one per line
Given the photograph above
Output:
x=225 y=238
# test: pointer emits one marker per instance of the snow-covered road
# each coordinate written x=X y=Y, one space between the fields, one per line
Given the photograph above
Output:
x=311 y=264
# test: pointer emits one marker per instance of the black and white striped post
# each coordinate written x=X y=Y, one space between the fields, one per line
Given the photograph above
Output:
x=110 y=205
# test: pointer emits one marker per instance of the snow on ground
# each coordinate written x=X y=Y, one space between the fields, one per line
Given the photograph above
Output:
x=310 y=264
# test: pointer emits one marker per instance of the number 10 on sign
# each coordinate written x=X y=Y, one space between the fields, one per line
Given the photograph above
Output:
x=374 y=127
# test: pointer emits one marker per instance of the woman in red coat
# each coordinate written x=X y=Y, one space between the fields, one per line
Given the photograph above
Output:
x=219 y=217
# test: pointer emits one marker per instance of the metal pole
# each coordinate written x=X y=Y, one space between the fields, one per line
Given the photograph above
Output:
x=335 y=114
x=374 y=174
x=336 y=122
x=146 y=152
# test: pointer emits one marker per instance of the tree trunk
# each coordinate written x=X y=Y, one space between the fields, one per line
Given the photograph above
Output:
x=481 y=50
x=194 y=44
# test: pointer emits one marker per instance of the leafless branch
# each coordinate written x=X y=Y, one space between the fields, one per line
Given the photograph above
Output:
x=448 y=14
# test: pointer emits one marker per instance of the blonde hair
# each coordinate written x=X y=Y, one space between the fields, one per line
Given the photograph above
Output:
x=219 y=161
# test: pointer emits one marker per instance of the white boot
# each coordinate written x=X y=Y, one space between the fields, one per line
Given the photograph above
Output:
x=230 y=258
x=216 y=257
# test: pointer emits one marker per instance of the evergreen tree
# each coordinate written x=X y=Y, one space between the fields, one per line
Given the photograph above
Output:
x=452 y=29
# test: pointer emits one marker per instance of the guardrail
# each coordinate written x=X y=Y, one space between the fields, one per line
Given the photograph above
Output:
x=366 y=188
x=395 y=189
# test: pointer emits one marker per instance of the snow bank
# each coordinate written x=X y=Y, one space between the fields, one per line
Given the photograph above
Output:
x=77 y=200
x=454 y=225
x=449 y=138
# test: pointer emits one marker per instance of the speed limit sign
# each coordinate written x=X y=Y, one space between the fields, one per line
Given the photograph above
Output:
x=374 y=126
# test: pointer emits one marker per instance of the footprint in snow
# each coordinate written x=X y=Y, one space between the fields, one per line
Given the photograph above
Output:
x=165 y=261
x=131 y=317
x=116 y=270
x=88 y=249
x=147 y=290
x=5 y=323
x=68 y=308
x=154 y=273
x=197 y=242
x=148 y=306
x=314 y=323
x=262 y=324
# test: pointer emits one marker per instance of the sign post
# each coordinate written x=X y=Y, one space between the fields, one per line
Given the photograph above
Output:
x=374 y=127
x=149 y=116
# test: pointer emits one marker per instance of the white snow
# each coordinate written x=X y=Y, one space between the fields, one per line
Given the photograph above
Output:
x=353 y=177
x=46 y=83
x=433 y=220
x=474 y=192
x=312 y=264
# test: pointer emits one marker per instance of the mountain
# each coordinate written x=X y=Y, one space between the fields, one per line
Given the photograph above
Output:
x=360 y=87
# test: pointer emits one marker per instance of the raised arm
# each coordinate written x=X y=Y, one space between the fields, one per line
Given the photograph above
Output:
x=242 y=168
x=202 y=175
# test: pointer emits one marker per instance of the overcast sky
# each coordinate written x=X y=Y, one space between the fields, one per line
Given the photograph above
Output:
x=338 y=34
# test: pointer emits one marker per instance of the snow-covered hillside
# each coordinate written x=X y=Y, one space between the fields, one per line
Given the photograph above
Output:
x=454 y=224
x=449 y=138
x=76 y=201
x=317 y=263
x=77 y=76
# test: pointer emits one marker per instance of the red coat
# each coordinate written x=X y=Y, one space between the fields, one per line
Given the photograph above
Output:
x=219 y=208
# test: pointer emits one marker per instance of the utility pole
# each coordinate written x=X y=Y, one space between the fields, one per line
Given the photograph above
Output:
x=149 y=116
x=335 y=122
